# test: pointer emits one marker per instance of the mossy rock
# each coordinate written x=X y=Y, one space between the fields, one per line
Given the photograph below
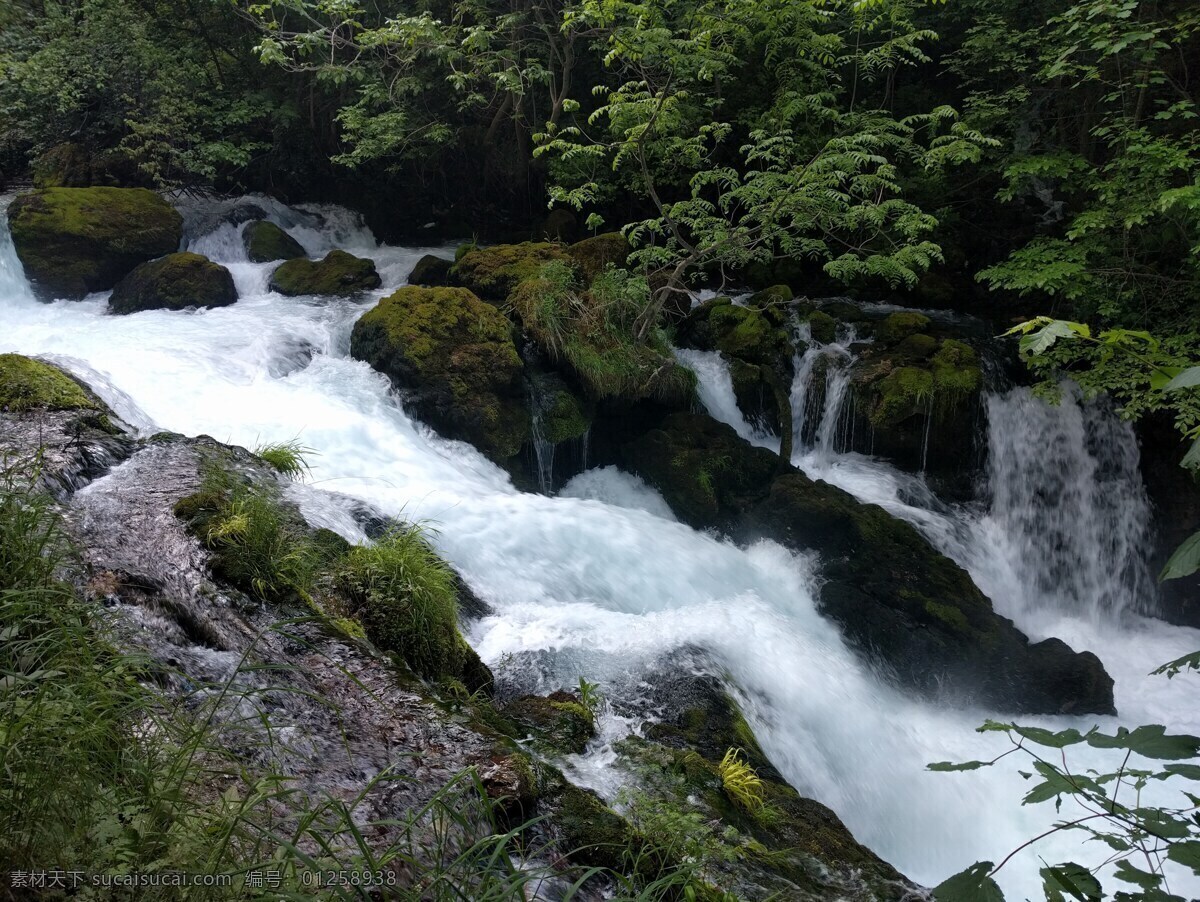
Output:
x=585 y=830
x=918 y=346
x=493 y=272
x=27 y=384
x=559 y=721
x=900 y=325
x=338 y=274
x=594 y=255
x=174 y=282
x=73 y=241
x=266 y=242
x=737 y=331
x=430 y=272
x=771 y=298
x=822 y=326
x=756 y=396
x=561 y=414
x=455 y=358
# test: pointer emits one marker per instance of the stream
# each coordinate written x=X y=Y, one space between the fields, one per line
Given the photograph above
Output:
x=601 y=581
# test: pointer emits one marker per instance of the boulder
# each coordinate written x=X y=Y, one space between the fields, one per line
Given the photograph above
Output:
x=29 y=384
x=338 y=274
x=73 y=241
x=894 y=595
x=454 y=357
x=430 y=272
x=737 y=331
x=493 y=272
x=561 y=414
x=594 y=255
x=559 y=721
x=174 y=282
x=266 y=242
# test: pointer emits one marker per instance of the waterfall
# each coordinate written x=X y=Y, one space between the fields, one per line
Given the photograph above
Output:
x=600 y=581
x=836 y=359
x=13 y=284
x=543 y=455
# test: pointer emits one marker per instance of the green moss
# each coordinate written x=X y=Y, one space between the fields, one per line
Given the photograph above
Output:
x=900 y=325
x=590 y=832
x=463 y=249
x=338 y=274
x=823 y=326
x=266 y=242
x=174 y=282
x=594 y=255
x=564 y=418
x=26 y=384
x=956 y=372
x=493 y=272
x=457 y=354
x=949 y=615
x=918 y=346
x=774 y=296
x=63 y=166
x=73 y=241
x=559 y=721
x=902 y=393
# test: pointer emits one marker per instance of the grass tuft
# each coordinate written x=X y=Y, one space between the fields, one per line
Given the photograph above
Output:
x=741 y=782
x=288 y=458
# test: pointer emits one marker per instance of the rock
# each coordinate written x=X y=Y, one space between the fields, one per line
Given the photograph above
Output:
x=594 y=255
x=73 y=241
x=430 y=272
x=894 y=595
x=561 y=414
x=737 y=331
x=560 y=224
x=28 y=384
x=754 y=388
x=266 y=242
x=454 y=357
x=822 y=327
x=493 y=272
x=174 y=282
x=337 y=274
x=559 y=721
x=900 y=325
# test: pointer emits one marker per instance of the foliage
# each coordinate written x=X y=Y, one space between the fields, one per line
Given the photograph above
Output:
x=288 y=458
x=740 y=781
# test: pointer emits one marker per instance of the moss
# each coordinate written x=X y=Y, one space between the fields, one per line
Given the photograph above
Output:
x=26 y=384
x=902 y=393
x=737 y=331
x=266 y=242
x=63 y=166
x=73 y=241
x=337 y=274
x=594 y=255
x=589 y=832
x=463 y=249
x=950 y=616
x=174 y=282
x=823 y=327
x=493 y=272
x=918 y=346
x=900 y=325
x=564 y=418
x=956 y=372
x=774 y=296
x=457 y=355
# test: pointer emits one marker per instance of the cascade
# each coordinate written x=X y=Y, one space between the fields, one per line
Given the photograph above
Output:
x=601 y=581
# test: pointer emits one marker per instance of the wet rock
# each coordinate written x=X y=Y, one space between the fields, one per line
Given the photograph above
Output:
x=454 y=356
x=430 y=271
x=72 y=241
x=338 y=274
x=737 y=331
x=266 y=242
x=558 y=721
x=174 y=282
x=493 y=272
x=895 y=596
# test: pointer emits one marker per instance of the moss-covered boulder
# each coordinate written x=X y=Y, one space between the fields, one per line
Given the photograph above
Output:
x=266 y=242
x=73 y=241
x=28 y=384
x=738 y=331
x=900 y=325
x=594 y=255
x=454 y=357
x=66 y=165
x=559 y=721
x=894 y=595
x=493 y=272
x=174 y=282
x=338 y=274
x=430 y=272
x=560 y=414
x=822 y=327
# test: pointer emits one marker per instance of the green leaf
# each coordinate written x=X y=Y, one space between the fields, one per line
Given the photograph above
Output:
x=1186 y=853
x=1047 y=738
x=1129 y=874
x=1070 y=879
x=951 y=765
x=1187 y=771
x=1191 y=460
x=1162 y=376
x=1041 y=341
x=1189 y=378
x=972 y=885
x=1150 y=741
x=1185 y=561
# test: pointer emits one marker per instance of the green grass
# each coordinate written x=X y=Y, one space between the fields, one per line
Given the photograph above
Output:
x=740 y=781
x=287 y=458
x=406 y=597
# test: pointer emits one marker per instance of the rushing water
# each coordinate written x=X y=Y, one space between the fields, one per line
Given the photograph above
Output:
x=602 y=581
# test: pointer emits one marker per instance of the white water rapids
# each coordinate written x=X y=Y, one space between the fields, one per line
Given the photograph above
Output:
x=600 y=580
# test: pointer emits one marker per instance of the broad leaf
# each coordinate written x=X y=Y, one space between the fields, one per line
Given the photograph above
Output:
x=1186 y=854
x=1070 y=879
x=1150 y=741
x=972 y=885
x=1185 y=561
x=1189 y=378
x=961 y=765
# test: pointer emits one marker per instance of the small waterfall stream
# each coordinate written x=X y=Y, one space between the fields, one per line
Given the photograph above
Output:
x=601 y=581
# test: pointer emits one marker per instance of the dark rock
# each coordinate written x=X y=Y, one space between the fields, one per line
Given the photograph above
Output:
x=430 y=272
x=63 y=166
x=594 y=255
x=73 y=241
x=338 y=274
x=559 y=721
x=266 y=242
x=174 y=282
x=559 y=225
x=894 y=595
x=455 y=358
x=737 y=331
